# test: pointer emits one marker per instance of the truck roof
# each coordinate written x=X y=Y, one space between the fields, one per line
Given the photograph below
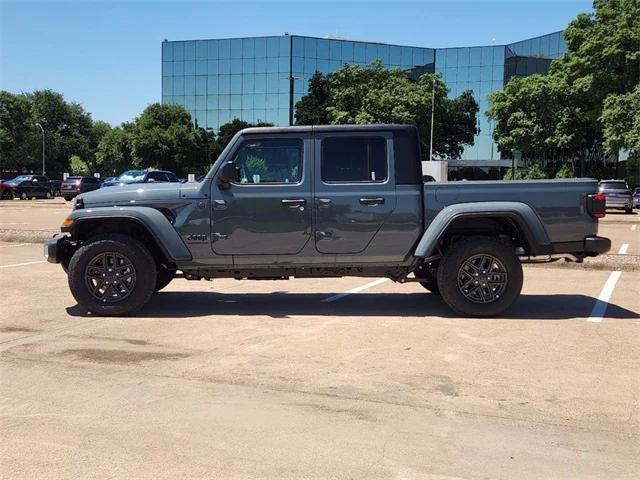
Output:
x=328 y=128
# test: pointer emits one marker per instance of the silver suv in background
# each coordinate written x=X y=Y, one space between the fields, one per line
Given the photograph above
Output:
x=617 y=194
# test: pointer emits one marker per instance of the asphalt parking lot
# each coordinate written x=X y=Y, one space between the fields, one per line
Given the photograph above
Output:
x=304 y=379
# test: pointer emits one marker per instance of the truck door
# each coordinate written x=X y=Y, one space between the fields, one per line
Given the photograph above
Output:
x=267 y=210
x=354 y=189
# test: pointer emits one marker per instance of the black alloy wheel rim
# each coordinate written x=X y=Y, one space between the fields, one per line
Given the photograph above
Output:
x=482 y=278
x=110 y=277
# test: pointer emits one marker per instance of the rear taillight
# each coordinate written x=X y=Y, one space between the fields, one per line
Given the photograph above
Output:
x=77 y=183
x=596 y=204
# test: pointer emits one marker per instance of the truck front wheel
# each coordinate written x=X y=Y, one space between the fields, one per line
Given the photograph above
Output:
x=112 y=275
x=479 y=277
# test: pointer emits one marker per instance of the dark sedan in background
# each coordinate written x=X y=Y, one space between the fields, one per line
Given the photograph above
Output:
x=73 y=186
x=617 y=194
x=28 y=186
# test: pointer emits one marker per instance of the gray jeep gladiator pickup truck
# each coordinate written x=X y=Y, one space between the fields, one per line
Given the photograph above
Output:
x=324 y=201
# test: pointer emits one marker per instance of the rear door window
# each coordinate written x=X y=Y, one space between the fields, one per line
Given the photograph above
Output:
x=349 y=159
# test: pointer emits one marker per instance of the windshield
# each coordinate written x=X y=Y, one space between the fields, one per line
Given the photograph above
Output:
x=131 y=176
x=613 y=185
x=21 y=178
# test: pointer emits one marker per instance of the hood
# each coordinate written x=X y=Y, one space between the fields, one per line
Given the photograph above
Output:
x=131 y=194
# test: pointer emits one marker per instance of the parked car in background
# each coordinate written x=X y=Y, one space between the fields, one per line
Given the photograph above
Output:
x=141 y=176
x=30 y=186
x=6 y=192
x=636 y=197
x=56 y=187
x=617 y=193
x=73 y=186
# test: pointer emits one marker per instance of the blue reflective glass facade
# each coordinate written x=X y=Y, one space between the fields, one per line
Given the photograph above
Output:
x=261 y=78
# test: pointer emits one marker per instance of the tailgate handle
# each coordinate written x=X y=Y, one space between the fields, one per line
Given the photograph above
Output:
x=372 y=201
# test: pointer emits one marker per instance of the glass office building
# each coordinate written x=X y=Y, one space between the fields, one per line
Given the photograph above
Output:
x=261 y=78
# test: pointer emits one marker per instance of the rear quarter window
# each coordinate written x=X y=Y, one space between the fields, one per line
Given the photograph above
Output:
x=354 y=159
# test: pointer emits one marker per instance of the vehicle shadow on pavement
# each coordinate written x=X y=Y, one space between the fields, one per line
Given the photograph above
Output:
x=420 y=305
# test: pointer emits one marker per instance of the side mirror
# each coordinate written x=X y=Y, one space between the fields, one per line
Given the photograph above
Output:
x=228 y=173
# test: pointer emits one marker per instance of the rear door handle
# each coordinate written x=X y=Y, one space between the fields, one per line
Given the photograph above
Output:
x=293 y=202
x=372 y=201
x=324 y=202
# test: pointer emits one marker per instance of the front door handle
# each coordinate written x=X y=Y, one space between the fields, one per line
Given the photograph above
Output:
x=372 y=201
x=219 y=205
x=293 y=202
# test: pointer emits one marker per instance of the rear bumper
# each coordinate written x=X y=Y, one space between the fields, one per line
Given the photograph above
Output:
x=591 y=246
x=618 y=202
x=59 y=248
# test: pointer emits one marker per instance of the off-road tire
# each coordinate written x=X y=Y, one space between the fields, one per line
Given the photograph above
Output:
x=163 y=278
x=143 y=264
x=450 y=267
x=67 y=199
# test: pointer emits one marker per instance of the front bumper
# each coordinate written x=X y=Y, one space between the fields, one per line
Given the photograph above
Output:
x=58 y=249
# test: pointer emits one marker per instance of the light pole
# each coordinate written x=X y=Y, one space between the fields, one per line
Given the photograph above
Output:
x=42 y=130
x=433 y=100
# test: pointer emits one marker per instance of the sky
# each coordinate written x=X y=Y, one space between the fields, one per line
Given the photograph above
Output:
x=105 y=55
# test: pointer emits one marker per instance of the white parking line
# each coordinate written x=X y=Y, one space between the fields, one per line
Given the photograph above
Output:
x=13 y=245
x=634 y=226
x=338 y=296
x=623 y=249
x=22 y=264
x=602 y=303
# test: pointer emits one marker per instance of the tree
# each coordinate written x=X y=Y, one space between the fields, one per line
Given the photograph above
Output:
x=228 y=131
x=113 y=154
x=311 y=109
x=565 y=113
x=164 y=137
x=621 y=119
x=565 y=172
x=77 y=166
x=15 y=125
x=375 y=94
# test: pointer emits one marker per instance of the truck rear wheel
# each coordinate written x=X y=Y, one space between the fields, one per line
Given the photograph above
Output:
x=112 y=275
x=479 y=277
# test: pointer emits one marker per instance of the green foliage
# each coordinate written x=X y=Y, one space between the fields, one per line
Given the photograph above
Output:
x=375 y=94
x=621 y=118
x=311 y=109
x=67 y=130
x=256 y=166
x=113 y=154
x=77 y=166
x=585 y=98
x=509 y=175
x=535 y=172
x=565 y=172
x=164 y=137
